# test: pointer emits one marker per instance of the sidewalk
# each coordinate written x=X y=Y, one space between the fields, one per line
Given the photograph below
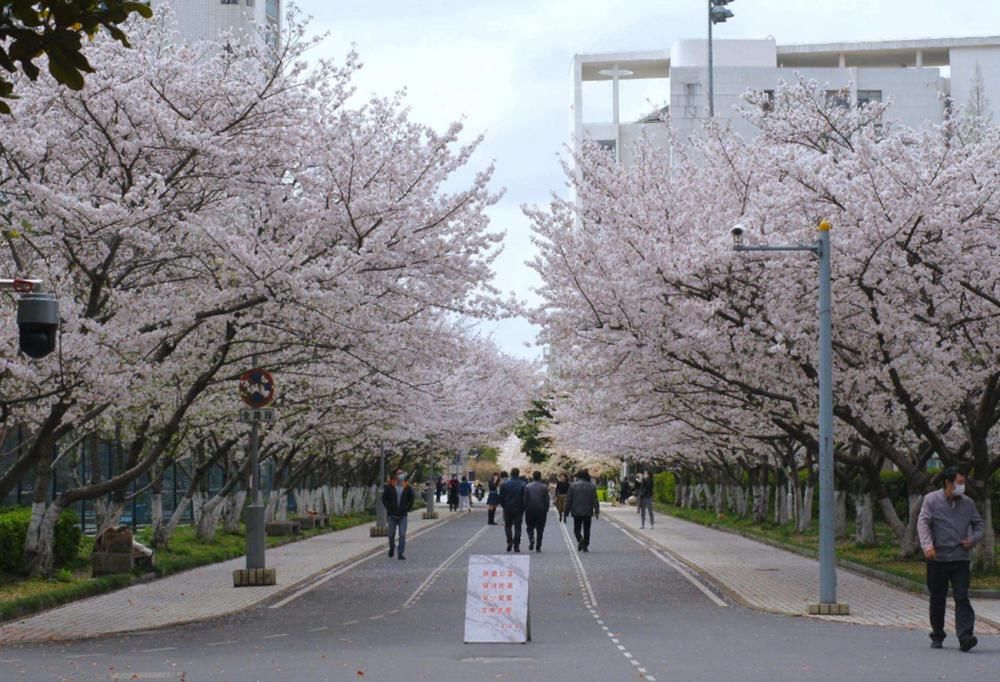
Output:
x=769 y=579
x=201 y=593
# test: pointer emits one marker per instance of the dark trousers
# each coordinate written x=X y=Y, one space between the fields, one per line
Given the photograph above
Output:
x=582 y=522
x=491 y=516
x=512 y=521
x=535 y=521
x=939 y=574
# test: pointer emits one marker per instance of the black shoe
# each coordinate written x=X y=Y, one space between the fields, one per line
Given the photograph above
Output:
x=579 y=545
x=402 y=558
x=538 y=549
x=531 y=545
x=585 y=548
x=967 y=644
x=392 y=550
x=509 y=545
x=935 y=644
x=517 y=548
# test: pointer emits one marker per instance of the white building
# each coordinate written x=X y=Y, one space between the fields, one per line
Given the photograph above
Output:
x=638 y=86
x=205 y=19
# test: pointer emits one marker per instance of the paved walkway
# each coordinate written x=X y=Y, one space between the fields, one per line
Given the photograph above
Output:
x=769 y=579
x=201 y=593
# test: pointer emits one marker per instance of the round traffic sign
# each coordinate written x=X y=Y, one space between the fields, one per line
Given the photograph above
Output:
x=257 y=388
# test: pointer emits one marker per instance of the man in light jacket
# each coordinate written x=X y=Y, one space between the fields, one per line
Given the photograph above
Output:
x=949 y=527
x=582 y=505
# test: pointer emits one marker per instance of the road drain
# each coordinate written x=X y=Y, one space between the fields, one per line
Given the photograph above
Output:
x=497 y=659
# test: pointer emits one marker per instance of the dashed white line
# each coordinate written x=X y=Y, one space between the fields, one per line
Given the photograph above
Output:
x=333 y=573
x=10 y=660
x=158 y=649
x=352 y=622
x=320 y=628
x=228 y=641
x=381 y=615
x=85 y=655
x=585 y=581
x=275 y=636
x=443 y=566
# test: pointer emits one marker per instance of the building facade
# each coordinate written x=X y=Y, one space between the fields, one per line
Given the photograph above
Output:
x=205 y=19
x=922 y=77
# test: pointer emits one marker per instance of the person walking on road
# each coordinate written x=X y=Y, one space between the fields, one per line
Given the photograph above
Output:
x=624 y=492
x=536 y=510
x=453 y=493
x=949 y=526
x=562 y=490
x=493 y=499
x=645 y=493
x=397 y=498
x=583 y=505
x=439 y=489
x=512 y=501
x=465 y=495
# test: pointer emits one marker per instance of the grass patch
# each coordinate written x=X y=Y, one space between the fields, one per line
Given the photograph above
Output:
x=20 y=596
x=884 y=556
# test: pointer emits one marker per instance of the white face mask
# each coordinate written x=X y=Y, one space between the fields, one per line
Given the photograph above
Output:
x=959 y=489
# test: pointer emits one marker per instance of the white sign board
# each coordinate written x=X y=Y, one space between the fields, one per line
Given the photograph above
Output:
x=496 y=603
x=257 y=415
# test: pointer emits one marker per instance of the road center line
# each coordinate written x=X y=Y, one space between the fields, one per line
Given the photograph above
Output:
x=444 y=565
x=330 y=575
x=228 y=641
x=158 y=650
x=579 y=565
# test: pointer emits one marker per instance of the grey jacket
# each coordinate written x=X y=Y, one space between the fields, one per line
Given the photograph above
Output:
x=536 y=498
x=582 y=499
x=944 y=523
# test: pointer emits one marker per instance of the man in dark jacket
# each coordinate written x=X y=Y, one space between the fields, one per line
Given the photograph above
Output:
x=512 y=501
x=536 y=509
x=582 y=505
x=397 y=498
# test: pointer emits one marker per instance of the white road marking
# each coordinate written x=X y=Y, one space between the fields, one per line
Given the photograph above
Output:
x=228 y=641
x=85 y=655
x=10 y=660
x=579 y=565
x=376 y=617
x=352 y=622
x=443 y=566
x=690 y=578
x=146 y=676
x=330 y=575
x=676 y=566
x=159 y=649
x=320 y=628
x=275 y=636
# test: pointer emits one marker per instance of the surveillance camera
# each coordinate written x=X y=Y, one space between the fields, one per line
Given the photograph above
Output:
x=737 y=231
x=38 y=323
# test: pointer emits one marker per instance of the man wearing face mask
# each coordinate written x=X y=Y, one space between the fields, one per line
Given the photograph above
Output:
x=397 y=498
x=949 y=527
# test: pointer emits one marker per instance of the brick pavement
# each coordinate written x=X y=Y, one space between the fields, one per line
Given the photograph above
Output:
x=769 y=579
x=198 y=594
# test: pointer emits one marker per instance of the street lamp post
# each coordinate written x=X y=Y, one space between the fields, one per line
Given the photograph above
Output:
x=827 y=551
x=717 y=14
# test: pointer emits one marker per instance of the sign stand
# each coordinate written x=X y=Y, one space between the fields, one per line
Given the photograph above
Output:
x=497 y=598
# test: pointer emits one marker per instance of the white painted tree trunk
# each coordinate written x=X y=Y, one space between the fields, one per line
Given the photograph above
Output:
x=337 y=498
x=38 y=545
x=281 y=505
x=271 y=506
x=840 y=521
x=984 y=556
x=233 y=511
x=107 y=513
x=167 y=530
x=865 y=519
x=156 y=512
x=806 y=510
x=208 y=520
x=197 y=502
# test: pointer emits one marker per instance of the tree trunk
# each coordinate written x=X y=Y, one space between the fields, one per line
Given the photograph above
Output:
x=806 y=510
x=107 y=513
x=910 y=544
x=39 y=543
x=865 y=521
x=162 y=539
x=984 y=555
x=156 y=512
x=840 y=521
x=208 y=522
x=233 y=511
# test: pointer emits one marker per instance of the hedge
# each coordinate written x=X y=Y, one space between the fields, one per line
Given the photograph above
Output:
x=664 y=487
x=14 y=529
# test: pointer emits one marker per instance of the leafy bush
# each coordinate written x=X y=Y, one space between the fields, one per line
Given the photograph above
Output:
x=602 y=494
x=664 y=487
x=14 y=529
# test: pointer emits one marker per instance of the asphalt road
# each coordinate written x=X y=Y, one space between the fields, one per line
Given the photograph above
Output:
x=627 y=615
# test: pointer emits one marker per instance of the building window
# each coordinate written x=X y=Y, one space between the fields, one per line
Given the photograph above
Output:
x=272 y=9
x=230 y=2
x=838 y=98
x=249 y=3
x=869 y=96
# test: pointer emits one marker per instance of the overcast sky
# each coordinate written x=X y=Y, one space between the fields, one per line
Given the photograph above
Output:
x=504 y=66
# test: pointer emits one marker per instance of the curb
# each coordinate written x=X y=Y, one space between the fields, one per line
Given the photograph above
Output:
x=865 y=571
x=143 y=630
